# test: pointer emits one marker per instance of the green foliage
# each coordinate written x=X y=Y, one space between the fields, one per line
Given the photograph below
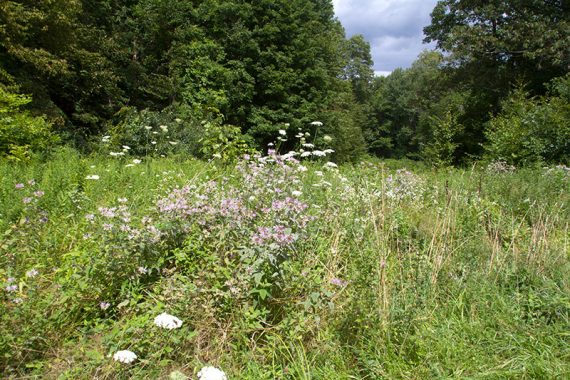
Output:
x=174 y=130
x=441 y=131
x=522 y=39
x=402 y=102
x=440 y=149
x=223 y=142
x=22 y=134
x=532 y=130
x=391 y=263
x=259 y=64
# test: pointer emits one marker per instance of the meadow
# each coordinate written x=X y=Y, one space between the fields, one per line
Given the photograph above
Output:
x=279 y=268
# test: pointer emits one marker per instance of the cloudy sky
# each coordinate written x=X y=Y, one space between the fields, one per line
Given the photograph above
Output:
x=393 y=28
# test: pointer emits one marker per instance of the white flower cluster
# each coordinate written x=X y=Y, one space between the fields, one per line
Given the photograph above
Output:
x=211 y=373
x=500 y=166
x=167 y=321
x=125 y=356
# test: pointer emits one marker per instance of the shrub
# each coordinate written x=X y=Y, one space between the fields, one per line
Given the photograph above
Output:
x=224 y=142
x=530 y=130
x=21 y=134
x=174 y=130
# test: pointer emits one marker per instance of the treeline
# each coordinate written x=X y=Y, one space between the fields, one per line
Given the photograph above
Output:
x=497 y=87
x=223 y=71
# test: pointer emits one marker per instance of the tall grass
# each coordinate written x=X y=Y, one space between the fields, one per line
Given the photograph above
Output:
x=423 y=274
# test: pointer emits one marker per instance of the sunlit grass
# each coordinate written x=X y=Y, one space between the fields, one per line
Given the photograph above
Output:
x=432 y=274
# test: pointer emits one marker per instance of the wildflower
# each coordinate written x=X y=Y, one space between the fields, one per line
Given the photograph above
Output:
x=302 y=168
x=173 y=142
x=125 y=147
x=31 y=182
x=178 y=120
x=327 y=138
x=104 y=305
x=125 y=356
x=116 y=154
x=148 y=127
x=136 y=161
x=17 y=300
x=10 y=279
x=123 y=200
x=217 y=155
x=142 y=270
x=11 y=288
x=153 y=142
x=164 y=128
x=296 y=193
x=283 y=132
x=19 y=186
x=331 y=165
x=129 y=165
x=319 y=153
x=32 y=273
x=328 y=151
x=299 y=135
x=319 y=173
x=310 y=146
x=211 y=373
x=93 y=177
x=316 y=124
x=27 y=200
x=39 y=193
x=338 y=282
x=167 y=321
x=306 y=154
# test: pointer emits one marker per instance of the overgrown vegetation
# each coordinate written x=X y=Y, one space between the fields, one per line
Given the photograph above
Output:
x=185 y=192
x=92 y=66
x=283 y=269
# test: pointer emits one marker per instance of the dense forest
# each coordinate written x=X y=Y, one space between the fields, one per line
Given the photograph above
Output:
x=222 y=72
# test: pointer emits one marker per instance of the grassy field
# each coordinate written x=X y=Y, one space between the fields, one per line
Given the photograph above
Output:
x=283 y=270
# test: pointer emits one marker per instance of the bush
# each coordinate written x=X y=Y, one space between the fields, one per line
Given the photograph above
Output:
x=21 y=134
x=174 y=130
x=532 y=130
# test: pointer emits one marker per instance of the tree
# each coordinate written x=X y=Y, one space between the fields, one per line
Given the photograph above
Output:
x=358 y=69
x=504 y=40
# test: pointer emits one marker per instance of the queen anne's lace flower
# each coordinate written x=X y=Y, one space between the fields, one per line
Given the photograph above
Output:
x=125 y=356
x=211 y=373
x=167 y=321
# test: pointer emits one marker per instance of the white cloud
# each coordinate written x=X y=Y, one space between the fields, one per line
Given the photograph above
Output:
x=381 y=73
x=394 y=28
